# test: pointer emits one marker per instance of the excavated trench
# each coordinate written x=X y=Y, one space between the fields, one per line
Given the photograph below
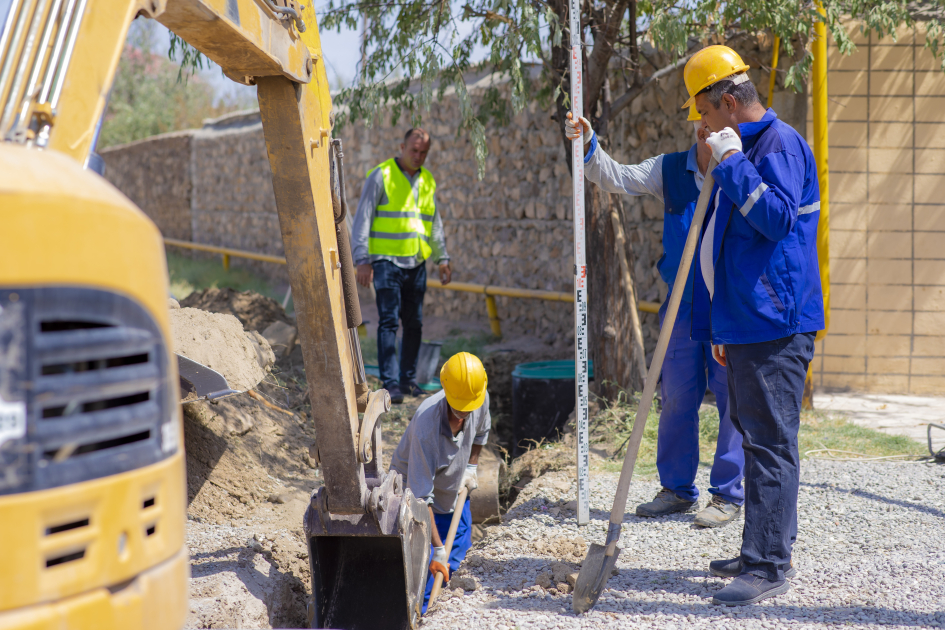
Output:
x=249 y=474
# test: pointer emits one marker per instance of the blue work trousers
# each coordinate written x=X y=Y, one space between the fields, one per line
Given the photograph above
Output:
x=462 y=543
x=686 y=370
x=399 y=297
x=765 y=387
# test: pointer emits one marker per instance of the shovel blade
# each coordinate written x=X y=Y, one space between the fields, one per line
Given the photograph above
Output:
x=592 y=579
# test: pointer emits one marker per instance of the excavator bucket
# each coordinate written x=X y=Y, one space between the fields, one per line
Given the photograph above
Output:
x=369 y=570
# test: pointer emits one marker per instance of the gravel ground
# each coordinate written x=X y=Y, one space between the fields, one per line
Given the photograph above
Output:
x=870 y=552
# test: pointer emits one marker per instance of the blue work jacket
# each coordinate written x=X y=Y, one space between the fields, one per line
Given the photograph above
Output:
x=680 y=194
x=767 y=280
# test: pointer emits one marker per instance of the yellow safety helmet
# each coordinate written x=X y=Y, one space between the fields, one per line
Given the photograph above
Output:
x=694 y=115
x=708 y=66
x=464 y=380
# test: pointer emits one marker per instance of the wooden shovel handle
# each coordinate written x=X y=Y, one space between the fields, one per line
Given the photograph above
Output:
x=450 y=537
x=649 y=388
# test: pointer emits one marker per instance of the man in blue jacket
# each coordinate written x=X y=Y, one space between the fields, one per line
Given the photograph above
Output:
x=757 y=298
x=676 y=179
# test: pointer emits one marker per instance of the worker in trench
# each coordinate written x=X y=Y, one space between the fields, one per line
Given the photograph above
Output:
x=396 y=229
x=438 y=455
x=676 y=179
x=757 y=297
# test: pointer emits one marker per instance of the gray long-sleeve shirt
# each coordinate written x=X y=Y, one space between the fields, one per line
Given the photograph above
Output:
x=645 y=178
x=372 y=196
x=433 y=461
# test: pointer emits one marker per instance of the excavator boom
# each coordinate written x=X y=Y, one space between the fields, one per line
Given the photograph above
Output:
x=59 y=60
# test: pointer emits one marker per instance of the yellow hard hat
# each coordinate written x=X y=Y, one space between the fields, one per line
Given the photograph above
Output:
x=694 y=115
x=464 y=380
x=708 y=66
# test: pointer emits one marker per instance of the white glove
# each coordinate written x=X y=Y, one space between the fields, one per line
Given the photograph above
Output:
x=470 y=477
x=573 y=131
x=722 y=142
x=439 y=555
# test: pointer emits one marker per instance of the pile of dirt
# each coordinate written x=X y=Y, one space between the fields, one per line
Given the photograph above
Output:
x=249 y=474
x=255 y=311
x=219 y=342
x=249 y=479
x=539 y=461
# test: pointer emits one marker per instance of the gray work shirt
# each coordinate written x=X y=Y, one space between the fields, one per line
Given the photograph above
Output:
x=374 y=195
x=433 y=461
x=645 y=178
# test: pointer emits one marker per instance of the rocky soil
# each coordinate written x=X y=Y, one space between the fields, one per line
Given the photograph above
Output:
x=249 y=479
x=869 y=553
x=870 y=545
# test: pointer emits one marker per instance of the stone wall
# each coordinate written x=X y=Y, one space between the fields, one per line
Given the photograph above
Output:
x=155 y=175
x=512 y=229
x=211 y=185
x=233 y=203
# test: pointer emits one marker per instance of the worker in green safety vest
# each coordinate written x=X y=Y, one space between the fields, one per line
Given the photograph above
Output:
x=396 y=229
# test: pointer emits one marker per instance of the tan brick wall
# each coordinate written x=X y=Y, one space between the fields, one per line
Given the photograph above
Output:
x=887 y=219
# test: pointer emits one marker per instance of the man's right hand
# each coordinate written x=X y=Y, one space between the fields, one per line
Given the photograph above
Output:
x=440 y=563
x=573 y=130
x=719 y=353
x=365 y=275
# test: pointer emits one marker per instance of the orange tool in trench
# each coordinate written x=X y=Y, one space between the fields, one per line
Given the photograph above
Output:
x=450 y=537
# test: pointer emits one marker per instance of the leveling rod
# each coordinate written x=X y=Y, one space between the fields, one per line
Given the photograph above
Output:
x=580 y=272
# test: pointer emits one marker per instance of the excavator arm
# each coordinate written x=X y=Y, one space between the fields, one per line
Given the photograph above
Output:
x=366 y=532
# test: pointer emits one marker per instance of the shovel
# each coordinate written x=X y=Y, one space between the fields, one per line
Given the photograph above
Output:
x=450 y=537
x=601 y=559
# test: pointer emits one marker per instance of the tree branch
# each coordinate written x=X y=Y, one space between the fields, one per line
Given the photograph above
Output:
x=627 y=97
x=599 y=59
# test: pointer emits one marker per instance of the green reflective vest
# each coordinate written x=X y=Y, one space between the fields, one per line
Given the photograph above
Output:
x=404 y=225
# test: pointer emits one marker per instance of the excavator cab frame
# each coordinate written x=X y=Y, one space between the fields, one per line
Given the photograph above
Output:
x=364 y=528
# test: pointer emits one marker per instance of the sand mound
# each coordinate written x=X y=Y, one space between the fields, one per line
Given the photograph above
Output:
x=255 y=311
x=219 y=342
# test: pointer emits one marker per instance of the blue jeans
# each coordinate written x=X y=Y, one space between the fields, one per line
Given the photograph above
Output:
x=765 y=387
x=399 y=297
x=462 y=543
x=683 y=389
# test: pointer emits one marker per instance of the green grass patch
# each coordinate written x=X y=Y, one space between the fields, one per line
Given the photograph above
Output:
x=611 y=427
x=473 y=343
x=188 y=275
x=369 y=349
x=820 y=430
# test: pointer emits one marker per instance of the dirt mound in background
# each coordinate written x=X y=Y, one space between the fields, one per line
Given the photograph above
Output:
x=254 y=311
x=219 y=342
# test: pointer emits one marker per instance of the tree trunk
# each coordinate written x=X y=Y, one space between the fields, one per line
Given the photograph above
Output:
x=610 y=331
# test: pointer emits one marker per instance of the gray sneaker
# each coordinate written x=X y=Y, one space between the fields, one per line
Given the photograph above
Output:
x=666 y=502
x=718 y=513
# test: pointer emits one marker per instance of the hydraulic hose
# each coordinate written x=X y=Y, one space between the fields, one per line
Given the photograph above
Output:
x=348 y=282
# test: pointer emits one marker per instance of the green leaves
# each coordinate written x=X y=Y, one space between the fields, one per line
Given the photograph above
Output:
x=148 y=97
x=430 y=44
x=191 y=59
x=415 y=51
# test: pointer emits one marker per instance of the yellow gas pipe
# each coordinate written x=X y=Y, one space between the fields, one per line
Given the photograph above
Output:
x=819 y=90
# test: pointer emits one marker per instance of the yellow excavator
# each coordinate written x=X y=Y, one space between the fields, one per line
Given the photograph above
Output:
x=92 y=480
